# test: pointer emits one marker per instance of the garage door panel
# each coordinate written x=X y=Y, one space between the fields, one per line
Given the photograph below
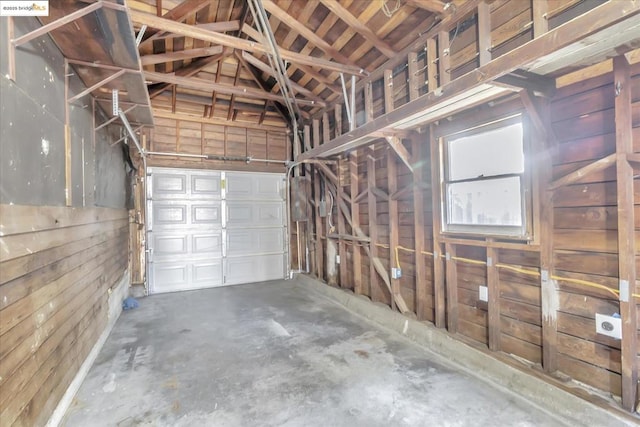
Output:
x=254 y=186
x=248 y=269
x=207 y=273
x=207 y=244
x=169 y=185
x=205 y=185
x=169 y=277
x=169 y=245
x=255 y=214
x=165 y=214
x=254 y=241
x=206 y=214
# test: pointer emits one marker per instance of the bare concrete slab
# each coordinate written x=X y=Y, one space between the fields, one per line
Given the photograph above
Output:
x=278 y=354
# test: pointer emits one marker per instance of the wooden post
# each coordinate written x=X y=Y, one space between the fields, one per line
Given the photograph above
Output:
x=11 y=48
x=626 y=241
x=342 y=250
x=374 y=280
x=355 y=223
x=394 y=235
x=438 y=263
x=452 y=289
x=432 y=67
x=548 y=287
x=444 y=58
x=540 y=22
x=368 y=102
x=338 y=117
x=484 y=33
x=326 y=132
x=388 y=91
x=419 y=166
x=319 y=270
x=412 y=69
x=68 y=187
x=493 y=285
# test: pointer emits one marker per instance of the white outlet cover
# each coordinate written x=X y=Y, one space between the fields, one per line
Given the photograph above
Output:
x=609 y=326
x=337 y=259
x=483 y=293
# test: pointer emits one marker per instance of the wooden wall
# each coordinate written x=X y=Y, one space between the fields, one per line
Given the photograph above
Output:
x=201 y=137
x=58 y=268
x=584 y=263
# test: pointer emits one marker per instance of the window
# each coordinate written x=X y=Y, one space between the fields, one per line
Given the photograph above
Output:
x=485 y=181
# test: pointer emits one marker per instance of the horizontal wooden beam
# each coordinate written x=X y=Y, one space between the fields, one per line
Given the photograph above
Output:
x=214 y=121
x=577 y=175
x=180 y=55
x=434 y=6
x=574 y=31
x=219 y=27
x=236 y=42
x=201 y=84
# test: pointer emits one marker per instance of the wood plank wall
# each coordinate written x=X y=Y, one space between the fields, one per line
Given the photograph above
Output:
x=199 y=137
x=582 y=242
x=58 y=267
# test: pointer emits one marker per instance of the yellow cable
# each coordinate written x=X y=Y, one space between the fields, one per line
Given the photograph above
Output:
x=586 y=283
x=518 y=270
x=397 y=248
x=470 y=261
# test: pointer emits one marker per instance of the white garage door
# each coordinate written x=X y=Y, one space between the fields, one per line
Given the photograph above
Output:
x=211 y=228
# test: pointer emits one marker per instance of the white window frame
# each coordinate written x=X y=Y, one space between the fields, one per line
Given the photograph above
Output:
x=523 y=232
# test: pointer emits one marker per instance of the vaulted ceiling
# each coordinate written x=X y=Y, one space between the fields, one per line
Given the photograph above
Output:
x=207 y=58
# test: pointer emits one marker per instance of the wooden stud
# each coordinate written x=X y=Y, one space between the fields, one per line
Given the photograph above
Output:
x=626 y=228
x=376 y=292
x=484 y=33
x=338 y=120
x=412 y=69
x=355 y=215
x=493 y=285
x=444 y=58
x=11 y=48
x=326 y=130
x=368 y=103
x=388 y=91
x=540 y=21
x=419 y=166
x=439 y=285
x=319 y=257
x=548 y=286
x=394 y=234
x=342 y=249
x=452 y=288
x=432 y=67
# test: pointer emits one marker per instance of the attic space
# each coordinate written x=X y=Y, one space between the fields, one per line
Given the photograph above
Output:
x=319 y=212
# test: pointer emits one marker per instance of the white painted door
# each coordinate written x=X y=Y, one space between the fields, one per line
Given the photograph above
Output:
x=211 y=228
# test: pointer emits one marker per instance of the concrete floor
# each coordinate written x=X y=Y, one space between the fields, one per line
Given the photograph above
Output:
x=276 y=354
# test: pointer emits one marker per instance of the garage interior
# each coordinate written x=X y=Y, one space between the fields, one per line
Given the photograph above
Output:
x=430 y=208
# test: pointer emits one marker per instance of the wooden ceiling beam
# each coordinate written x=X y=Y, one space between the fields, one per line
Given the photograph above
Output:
x=434 y=6
x=219 y=27
x=359 y=27
x=265 y=68
x=305 y=32
x=237 y=43
x=180 y=55
x=188 y=71
x=279 y=108
x=201 y=84
x=178 y=13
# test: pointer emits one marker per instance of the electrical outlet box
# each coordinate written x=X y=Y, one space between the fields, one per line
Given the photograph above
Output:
x=322 y=208
x=483 y=293
x=609 y=325
x=337 y=259
x=396 y=273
